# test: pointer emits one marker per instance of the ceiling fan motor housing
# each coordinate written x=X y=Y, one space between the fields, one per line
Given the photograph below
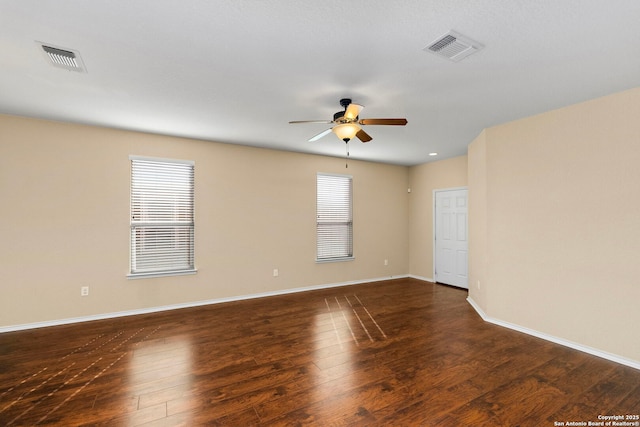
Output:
x=339 y=116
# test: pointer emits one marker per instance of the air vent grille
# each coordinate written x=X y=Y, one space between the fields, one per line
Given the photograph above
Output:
x=442 y=43
x=63 y=58
x=453 y=46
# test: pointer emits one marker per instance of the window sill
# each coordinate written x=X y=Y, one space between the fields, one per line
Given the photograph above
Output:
x=161 y=274
x=327 y=260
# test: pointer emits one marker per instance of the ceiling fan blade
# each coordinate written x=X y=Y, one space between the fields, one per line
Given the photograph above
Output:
x=391 y=122
x=363 y=136
x=320 y=135
x=353 y=110
x=310 y=121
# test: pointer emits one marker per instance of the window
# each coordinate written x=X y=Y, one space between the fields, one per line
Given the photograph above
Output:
x=162 y=225
x=334 y=217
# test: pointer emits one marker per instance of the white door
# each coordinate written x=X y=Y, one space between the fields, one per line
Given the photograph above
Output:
x=451 y=245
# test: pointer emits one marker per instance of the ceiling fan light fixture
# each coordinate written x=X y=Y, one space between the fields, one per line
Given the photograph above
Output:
x=353 y=111
x=346 y=131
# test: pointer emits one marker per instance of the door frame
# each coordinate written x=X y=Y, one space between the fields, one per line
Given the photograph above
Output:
x=433 y=225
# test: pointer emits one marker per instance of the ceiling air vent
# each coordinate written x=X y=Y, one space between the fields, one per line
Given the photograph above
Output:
x=453 y=46
x=63 y=58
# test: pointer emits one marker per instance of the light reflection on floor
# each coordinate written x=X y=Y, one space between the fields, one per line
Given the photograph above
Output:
x=343 y=326
x=159 y=371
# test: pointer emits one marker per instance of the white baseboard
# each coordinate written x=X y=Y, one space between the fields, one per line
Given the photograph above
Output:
x=424 y=279
x=113 y=315
x=586 y=349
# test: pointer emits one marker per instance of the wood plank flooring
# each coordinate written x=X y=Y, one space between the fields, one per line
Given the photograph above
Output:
x=396 y=353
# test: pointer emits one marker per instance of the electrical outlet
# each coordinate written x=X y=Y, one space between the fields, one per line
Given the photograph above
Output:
x=275 y=272
x=386 y=262
x=478 y=284
x=84 y=291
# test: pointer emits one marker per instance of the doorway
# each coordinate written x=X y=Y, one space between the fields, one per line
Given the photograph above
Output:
x=451 y=246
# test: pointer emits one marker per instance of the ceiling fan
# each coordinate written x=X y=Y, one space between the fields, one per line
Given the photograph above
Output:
x=347 y=123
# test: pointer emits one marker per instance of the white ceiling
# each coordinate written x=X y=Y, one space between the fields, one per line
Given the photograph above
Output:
x=236 y=71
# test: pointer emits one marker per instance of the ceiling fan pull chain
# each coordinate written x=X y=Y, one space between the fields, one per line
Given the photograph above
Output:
x=346 y=163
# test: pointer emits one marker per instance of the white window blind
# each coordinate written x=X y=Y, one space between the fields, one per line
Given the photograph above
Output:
x=334 y=217
x=162 y=220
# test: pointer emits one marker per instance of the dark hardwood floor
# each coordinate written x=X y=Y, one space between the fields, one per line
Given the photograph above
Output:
x=397 y=353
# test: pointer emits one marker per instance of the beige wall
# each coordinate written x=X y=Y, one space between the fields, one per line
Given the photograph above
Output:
x=556 y=243
x=65 y=209
x=477 y=169
x=424 y=179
